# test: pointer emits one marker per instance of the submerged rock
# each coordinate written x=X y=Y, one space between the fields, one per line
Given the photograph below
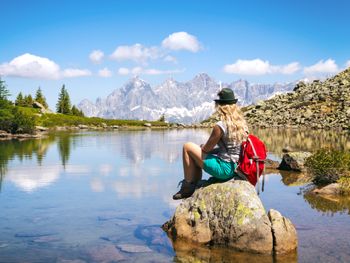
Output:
x=105 y=253
x=131 y=248
x=227 y=214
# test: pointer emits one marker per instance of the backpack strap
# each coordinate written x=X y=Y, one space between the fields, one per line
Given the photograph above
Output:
x=257 y=160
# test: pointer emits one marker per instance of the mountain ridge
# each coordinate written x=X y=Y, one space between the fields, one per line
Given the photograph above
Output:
x=183 y=102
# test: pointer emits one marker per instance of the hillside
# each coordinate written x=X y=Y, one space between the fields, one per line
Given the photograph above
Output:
x=318 y=105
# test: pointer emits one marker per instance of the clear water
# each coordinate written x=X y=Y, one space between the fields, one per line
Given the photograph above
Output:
x=102 y=196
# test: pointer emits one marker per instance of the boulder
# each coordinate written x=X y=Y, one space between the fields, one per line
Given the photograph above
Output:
x=42 y=108
x=227 y=214
x=284 y=233
x=83 y=126
x=293 y=161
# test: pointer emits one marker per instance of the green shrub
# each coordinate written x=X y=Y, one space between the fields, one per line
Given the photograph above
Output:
x=23 y=121
x=328 y=165
x=6 y=119
x=344 y=183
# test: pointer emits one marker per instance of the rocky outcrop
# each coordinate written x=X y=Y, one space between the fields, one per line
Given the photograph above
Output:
x=227 y=214
x=318 y=105
x=42 y=108
x=294 y=161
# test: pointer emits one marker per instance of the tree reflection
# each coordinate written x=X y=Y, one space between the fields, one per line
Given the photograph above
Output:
x=64 y=147
x=21 y=150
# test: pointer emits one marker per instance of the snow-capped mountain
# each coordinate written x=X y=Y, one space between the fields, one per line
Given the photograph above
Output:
x=187 y=102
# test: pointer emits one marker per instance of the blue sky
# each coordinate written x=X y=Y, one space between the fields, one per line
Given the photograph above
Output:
x=94 y=47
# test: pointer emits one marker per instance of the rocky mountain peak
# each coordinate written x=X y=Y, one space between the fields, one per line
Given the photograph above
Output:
x=186 y=102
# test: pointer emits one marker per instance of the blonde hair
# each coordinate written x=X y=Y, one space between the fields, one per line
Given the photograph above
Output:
x=231 y=115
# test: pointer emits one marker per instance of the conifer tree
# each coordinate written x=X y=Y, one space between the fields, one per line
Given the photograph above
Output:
x=39 y=97
x=19 y=100
x=75 y=111
x=4 y=92
x=28 y=101
x=63 y=105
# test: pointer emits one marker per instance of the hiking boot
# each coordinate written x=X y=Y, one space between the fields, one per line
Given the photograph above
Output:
x=186 y=190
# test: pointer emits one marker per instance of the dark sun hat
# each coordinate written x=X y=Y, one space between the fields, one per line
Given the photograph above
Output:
x=226 y=96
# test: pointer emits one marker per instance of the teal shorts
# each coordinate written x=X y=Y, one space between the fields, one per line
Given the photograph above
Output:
x=218 y=168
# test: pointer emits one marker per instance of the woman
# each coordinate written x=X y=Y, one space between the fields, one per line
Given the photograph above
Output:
x=219 y=162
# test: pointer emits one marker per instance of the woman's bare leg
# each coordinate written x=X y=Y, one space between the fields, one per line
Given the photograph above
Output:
x=192 y=162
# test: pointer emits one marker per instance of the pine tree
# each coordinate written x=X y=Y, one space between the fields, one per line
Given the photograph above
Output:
x=76 y=112
x=39 y=97
x=28 y=101
x=4 y=92
x=19 y=100
x=63 y=105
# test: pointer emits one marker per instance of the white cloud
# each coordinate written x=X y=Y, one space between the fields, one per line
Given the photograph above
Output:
x=288 y=69
x=347 y=65
x=31 y=66
x=260 y=67
x=96 y=56
x=248 y=67
x=181 y=41
x=73 y=73
x=123 y=71
x=137 y=53
x=169 y=58
x=105 y=73
x=147 y=71
x=322 y=67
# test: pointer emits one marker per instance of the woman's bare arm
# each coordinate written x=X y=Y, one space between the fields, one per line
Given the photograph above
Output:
x=213 y=139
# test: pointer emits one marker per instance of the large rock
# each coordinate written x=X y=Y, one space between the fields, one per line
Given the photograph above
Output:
x=294 y=161
x=285 y=235
x=227 y=214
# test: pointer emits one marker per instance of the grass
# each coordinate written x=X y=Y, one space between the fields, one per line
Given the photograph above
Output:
x=53 y=120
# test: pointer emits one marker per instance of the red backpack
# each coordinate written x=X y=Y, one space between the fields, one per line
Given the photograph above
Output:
x=252 y=159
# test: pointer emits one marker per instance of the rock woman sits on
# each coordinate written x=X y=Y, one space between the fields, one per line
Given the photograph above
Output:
x=221 y=161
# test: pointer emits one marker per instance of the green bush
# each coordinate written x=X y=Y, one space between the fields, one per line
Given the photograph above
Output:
x=328 y=165
x=23 y=121
x=6 y=120
x=344 y=183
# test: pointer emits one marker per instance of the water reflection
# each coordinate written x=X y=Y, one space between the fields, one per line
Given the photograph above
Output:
x=328 y=204
x=306 y=140
x=187 y=252
x=22 y=150
x=132 y=175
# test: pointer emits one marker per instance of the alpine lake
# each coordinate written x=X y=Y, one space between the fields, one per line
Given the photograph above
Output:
x=102 y=196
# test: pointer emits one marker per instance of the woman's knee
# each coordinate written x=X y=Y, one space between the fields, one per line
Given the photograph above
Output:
x=188 y=146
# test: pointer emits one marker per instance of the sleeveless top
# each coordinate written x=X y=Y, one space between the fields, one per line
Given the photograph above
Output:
x=228 y=150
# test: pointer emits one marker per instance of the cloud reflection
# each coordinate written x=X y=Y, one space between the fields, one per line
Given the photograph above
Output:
x=33 y=178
